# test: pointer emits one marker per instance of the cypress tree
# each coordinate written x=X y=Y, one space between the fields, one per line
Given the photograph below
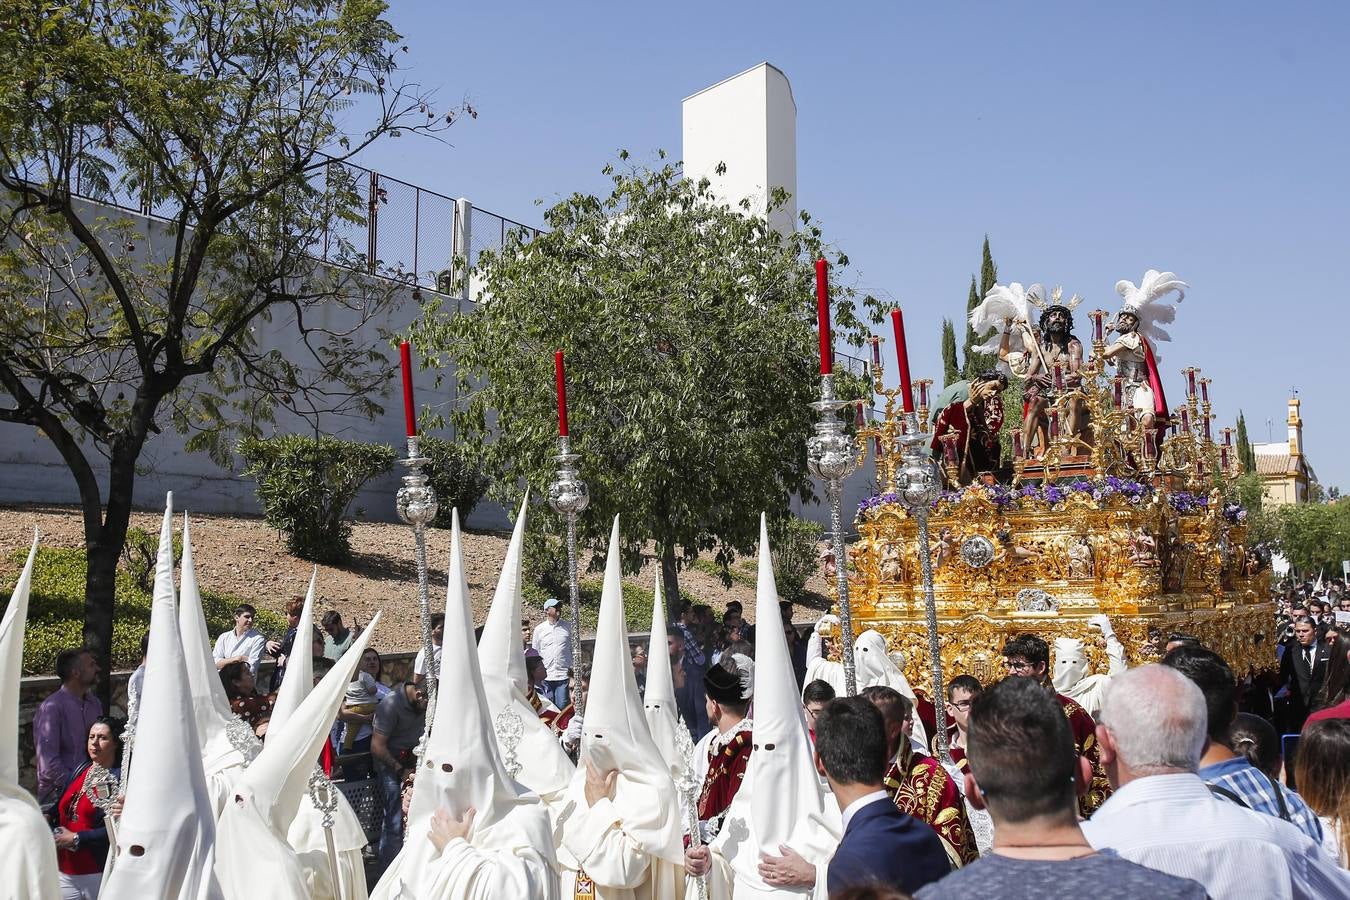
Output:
x=1246 y=455
x=951 y=366
x=977 y=362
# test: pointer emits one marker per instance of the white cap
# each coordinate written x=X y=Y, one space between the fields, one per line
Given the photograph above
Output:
x=876 y=667
x=501 y=658
x=782 y=800
x=11 y=667
x=658 y=702
x=212 y=708
x=166 y=835
x=615 y=733
x=299 y=680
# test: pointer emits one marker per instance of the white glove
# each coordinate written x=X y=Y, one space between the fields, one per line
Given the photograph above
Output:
x=572 y=735
x=826 y=620
x=1102 y=624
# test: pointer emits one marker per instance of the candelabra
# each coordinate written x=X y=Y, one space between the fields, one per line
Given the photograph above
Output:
x=687 y=783
x=568 y=496
x=886 y=433
x=416 y=505
x=918 y=488
x=829 y=456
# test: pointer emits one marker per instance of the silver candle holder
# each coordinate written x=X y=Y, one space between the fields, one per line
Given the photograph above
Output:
x=829 y=456
x=569 y=496
x=689 y=786
x=416 y=505
x=917 y=485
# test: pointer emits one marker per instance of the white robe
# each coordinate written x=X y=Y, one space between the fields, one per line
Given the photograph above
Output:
x=593 y=840
x=27 y=851
x=306 y=836
x=511 y=860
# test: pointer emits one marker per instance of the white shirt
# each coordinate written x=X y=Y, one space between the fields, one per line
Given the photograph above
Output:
x=554 y=643
x=1172 y=823
x=862 y=801
x=420 y=663
x=250 y=646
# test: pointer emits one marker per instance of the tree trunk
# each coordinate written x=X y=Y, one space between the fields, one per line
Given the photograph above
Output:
x=103 y=550
x=670 y=579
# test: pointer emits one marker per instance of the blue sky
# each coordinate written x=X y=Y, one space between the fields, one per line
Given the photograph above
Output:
x=1089 y=141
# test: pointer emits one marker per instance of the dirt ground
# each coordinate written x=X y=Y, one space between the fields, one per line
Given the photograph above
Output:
x=246 y=558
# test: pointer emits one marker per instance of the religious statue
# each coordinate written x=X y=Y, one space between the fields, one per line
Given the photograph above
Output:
x=946 y=545
x=1080 y=558
x=825 y=557
x=1053 y=356
x=1143 y=549
x=976 y=419
x=1133 y=353
x=892 y=565
x=1019 y=553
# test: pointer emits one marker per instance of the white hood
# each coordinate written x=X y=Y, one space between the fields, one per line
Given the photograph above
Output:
x=463 y=763
x=876 y=667
x=658 y=702
x=213 y=716
x=546 y=770
x=1070 y=663
x=255 y=858
x=28 y=863
x=615 y=733
x=782 y=800
x=166 y=836
x=300 y=663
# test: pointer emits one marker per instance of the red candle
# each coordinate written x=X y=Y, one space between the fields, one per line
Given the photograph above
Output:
x=409 y=409
x=1116 y=397
x=858 y=417
x=1150 y=444
x=1228 y=437
x=1223 y=458
x=949 y=446
x=1054 y=423
x=1190 y=382
x=1059 y=377
x=1017 y=445
x=560 y=373
x=1205 y=424
x=1204 y=390
x=1097 y=316
x=1185 y=418
x=902 y=360
x=823 y=315
x=923 y=392
x=876 y=353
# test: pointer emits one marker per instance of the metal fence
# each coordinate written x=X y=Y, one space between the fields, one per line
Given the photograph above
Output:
x=406 y=229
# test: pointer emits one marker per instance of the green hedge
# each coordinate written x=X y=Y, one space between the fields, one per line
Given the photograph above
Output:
x=56 y=609
x=305 y=485
x=793 y=542
x=458 y=483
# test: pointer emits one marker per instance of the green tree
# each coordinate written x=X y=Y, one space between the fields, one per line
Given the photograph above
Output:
x=1246 y=456
x=951 y=366
x=1315 y=536
x=977 y=362
x=691 y=356
x=222 y=119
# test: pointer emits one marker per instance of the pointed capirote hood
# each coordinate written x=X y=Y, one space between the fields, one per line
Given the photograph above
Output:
x=213 y=716
x=11 y=667
x=875 y=667
x=463 y=764
x=28 y=861
x=615 y=733
x=300 y=663
x=545 y=768
x=254 y=857
x=166 y=836
x=658 y=701
x=782 y=800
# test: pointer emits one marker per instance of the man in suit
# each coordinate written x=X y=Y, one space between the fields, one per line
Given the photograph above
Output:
x=1302 y=670
x=881 y=845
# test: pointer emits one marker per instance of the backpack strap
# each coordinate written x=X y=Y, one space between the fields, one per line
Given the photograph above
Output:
x=1227 y=795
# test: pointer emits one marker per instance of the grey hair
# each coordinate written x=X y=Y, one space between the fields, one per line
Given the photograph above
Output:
x=1157 y=717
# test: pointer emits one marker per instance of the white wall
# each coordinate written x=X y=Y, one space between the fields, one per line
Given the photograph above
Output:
x=748 y=122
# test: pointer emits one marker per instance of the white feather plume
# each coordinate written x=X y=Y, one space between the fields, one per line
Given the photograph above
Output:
x=1002 y=302
x=1145 y=301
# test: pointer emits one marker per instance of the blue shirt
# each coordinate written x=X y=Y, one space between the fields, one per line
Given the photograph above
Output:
x=1258 y=792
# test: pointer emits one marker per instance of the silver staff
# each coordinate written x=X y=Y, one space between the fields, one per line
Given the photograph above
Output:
x=323 y=794
x=689 y=788
x=416 y=504
x=568 y=495
x=829 y=455
x=917 y=486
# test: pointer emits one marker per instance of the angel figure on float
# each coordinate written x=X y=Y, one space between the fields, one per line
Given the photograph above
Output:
x=1134 y=352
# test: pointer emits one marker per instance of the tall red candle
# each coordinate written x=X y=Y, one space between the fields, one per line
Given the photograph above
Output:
x=560 y=373
x=858 y=416
x=876 y=353
x=409 y=409
x=823 y=315
x=902 y=360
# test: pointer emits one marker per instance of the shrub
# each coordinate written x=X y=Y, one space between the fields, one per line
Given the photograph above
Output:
x=794 y=554
x=458 y=483
x=56 y=609
x=305 y=485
